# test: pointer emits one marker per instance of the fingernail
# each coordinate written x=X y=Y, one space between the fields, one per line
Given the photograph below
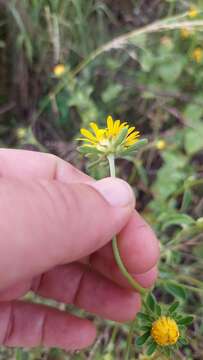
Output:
x=116 y=191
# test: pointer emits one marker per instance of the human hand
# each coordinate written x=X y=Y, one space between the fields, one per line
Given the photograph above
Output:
x=56 y=226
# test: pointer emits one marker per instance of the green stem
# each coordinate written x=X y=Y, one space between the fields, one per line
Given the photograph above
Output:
x=129 y=340
x=116 y=253
x=19 y=354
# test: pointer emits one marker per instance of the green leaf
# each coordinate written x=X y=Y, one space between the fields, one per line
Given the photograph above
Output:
x=145 y=327
x=173 y=307
x=111 y=92
x=186 y=320
x=186 y=200
x=158 y=309
x=167 y=352
x=142 y=339
x=183 y=341
x=193 y=141
x=176 y=290
x=143 y=317
x=147 y=61
x=192 y=114
x=85 y=149
x=121 y=136
x=151 y=348
x=177 y=219
x=151 y=301
x=170 y=71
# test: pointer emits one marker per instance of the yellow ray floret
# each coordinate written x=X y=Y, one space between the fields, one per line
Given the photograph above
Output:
x=165 y=331
x=104 y=137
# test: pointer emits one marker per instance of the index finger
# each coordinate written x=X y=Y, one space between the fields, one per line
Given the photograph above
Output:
x=24 y=164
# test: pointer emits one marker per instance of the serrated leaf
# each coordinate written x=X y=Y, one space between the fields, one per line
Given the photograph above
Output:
x=151 y=348
x=173 y=307
x=176 y=290
x=186 y=320
x=143 y=338
x=151 y=302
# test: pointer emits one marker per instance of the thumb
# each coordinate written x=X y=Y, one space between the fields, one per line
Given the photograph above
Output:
x=46 y=223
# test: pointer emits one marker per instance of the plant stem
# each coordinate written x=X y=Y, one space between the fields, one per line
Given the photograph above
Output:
x=129 y=340
x=116 y=253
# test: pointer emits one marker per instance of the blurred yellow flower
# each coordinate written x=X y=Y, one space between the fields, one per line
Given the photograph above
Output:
x=193 y=12
x=197 y=55
x=21 y=133
x=160 y=144
x=165 y=331
x=104 y=138
x=59 y=70
x=185 y=32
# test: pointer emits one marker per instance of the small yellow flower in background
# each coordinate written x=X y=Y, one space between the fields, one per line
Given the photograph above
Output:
x=165 y=331
x=197 y=55
x=185 y=32
x=59 y=70
x=160 y=144
x=102 y=138
x=21 y=133
x=193 y=12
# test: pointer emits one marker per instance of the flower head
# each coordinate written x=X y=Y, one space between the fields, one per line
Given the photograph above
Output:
x=160 y=144
x=59 y=70
x=185 y=32
x=104 y=137
x=164 y=326
x=116 y=138
x=21 y=133
x=193 y=12
x=165 y=331
x=197 y=55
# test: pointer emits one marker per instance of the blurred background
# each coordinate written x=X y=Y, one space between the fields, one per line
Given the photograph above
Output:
x=64 y=63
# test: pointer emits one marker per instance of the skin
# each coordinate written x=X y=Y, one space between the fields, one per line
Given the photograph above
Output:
x=56 y=226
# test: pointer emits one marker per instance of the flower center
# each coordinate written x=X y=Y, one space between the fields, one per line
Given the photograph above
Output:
x=165 y=331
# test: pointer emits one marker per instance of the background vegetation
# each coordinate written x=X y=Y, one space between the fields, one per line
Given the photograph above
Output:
x=142 y=62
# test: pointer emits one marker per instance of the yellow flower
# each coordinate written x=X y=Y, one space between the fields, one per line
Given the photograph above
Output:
x=160 y=144
x=103 y=138
x=59 y=70
x=165 y=331
x=185 y=32
x=197 y=55
x=193 y=12
x=21 y=133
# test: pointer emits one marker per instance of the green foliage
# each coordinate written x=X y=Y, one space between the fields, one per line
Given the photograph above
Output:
x=150 y=79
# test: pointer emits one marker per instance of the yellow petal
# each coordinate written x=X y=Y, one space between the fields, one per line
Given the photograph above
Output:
x=133 y=135
x=131 y=129
x=88 y=134
x=116 y=127
x=94 y=127
x=110 y=124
